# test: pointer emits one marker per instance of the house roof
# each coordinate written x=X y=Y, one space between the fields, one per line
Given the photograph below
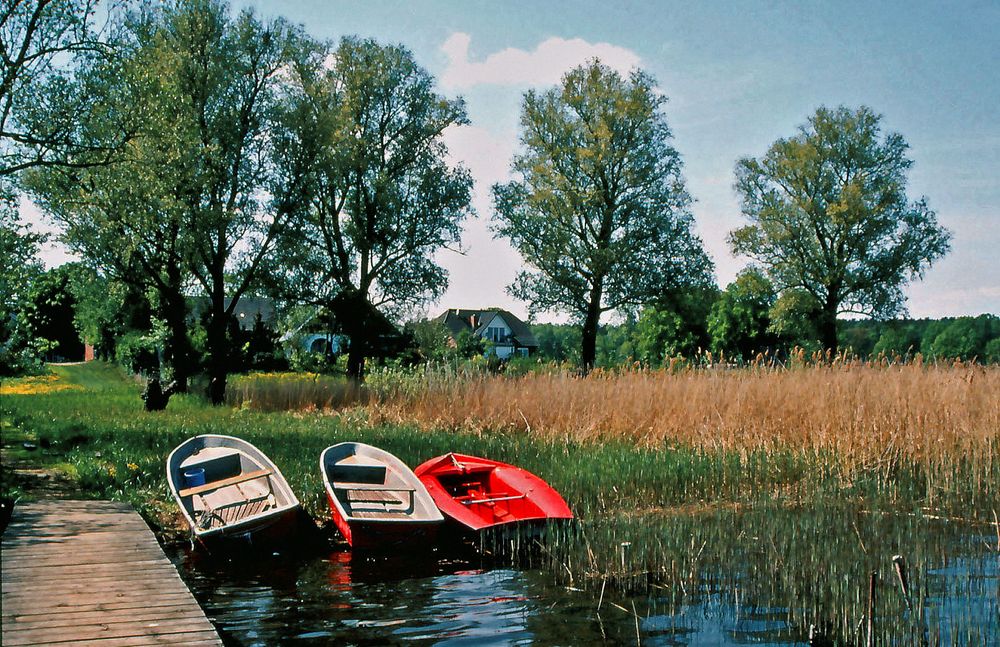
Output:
x=246 y=310
x=458 y=319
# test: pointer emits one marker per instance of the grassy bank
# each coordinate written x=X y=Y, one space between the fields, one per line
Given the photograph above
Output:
x=613 y=445
x=672 y=475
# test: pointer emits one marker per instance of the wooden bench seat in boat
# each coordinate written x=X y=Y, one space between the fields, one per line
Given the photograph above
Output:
x=232 y=480
x=375 y=496
x=369 y=473
x=380 y=514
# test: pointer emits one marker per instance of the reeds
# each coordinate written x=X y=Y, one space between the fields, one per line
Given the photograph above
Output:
x=291 y=392
x=852 y=421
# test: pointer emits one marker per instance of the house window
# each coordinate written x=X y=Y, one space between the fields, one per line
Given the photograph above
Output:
x=494 y=334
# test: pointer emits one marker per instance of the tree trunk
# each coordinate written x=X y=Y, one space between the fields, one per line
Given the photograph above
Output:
x=588 y=351
x=827 y=325
x=218 y=350
x=177 y=351
x=356 y=360
x=155 y=397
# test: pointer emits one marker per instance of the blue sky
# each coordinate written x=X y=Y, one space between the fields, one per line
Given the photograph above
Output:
x=738 y=75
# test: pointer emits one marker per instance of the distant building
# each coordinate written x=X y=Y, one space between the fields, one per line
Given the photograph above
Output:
x=509 y=335
x=246 y=311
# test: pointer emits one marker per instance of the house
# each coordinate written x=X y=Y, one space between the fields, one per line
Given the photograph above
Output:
x=509 y=335
x=246 y=311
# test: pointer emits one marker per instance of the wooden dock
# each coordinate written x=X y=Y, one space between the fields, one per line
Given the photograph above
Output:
x=92 y=573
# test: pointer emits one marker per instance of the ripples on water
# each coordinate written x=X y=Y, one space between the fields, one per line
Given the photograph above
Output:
x=331 y=596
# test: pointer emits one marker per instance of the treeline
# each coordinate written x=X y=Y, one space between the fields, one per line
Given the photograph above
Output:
x=946 y=339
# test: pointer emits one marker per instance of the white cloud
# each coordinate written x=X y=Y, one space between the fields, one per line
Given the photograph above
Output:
x=485 y=154
x=544 y=66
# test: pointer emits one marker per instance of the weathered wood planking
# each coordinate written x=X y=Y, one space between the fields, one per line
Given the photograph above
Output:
x=92 y=573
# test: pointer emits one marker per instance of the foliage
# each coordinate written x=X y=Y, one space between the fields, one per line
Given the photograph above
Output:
x=19 y=267
x=432 y=339
x=600 y=213
x=43 y=43
x=557 y=343
x=964 y=338
x=674 y=325
x=255 y=348
x=469 y=345
x=740 y=319
x=48 y=315
x=898 y=338
x=364 y=170
x=830 y=218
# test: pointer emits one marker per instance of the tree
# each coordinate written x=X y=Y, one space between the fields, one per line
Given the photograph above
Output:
x=740 y=319
x=126 y=217
x=364 y=166
x=557 y=342
x=830 y=218
x=48 y=315
x=187 y=202
x=600 y=213
x=220 y=80
x=965 y=338
x=898 y=338
x=19 y=267
x=41 y=101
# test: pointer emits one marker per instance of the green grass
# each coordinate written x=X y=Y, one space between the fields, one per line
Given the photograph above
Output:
x=678 y=511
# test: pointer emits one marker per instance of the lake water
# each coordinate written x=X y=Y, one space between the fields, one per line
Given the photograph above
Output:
x=743 y=587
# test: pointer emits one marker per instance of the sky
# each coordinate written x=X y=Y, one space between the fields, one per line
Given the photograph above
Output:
x=738 y=76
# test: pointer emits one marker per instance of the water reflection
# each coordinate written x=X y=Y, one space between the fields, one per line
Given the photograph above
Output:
x=765 y=585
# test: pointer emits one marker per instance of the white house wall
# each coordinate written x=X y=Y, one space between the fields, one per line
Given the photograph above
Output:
x=497 y=322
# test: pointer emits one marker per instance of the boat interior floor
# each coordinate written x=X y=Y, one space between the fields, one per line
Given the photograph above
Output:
x=233 y=503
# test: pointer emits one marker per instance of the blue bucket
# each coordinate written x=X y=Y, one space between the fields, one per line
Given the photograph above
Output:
x=195 y=477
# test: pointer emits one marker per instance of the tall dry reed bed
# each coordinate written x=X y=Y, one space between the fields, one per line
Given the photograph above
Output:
x=938 y=423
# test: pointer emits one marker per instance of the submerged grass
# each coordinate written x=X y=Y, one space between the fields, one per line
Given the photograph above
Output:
x=649 y=461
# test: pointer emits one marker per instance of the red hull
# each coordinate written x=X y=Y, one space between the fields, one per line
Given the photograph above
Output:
x=479 y=493
x=383 y=535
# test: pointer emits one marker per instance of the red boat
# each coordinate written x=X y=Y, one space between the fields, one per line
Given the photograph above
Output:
x=480 y=493
x=376 y=500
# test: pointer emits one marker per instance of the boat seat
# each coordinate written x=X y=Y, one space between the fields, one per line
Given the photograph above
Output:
x=232 y=480
x=374 y=496
x=380 y=514
x=356 y=473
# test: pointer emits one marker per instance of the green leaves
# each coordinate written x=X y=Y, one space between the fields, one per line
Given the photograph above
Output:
x=829 y=216
x=600 y=213
x=360 y=144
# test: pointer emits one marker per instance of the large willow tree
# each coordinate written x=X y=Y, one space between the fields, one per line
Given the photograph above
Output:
x=600 y=213
x=830 y=220
x=373 y=199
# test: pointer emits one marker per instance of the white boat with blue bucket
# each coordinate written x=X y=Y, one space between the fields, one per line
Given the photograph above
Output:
x=226 y=487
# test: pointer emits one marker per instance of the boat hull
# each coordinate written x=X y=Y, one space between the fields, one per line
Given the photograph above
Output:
x=376 y=501
x=478 y=494
x=383 y=535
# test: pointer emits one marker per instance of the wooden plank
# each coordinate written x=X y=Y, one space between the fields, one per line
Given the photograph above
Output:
x=372 y=496
x=232 y=480
x=189 y=638
x=16 y=638
x=148 y=614
x=85 y=604
x=380 y=514
x=94 y=574
x=16 y=571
